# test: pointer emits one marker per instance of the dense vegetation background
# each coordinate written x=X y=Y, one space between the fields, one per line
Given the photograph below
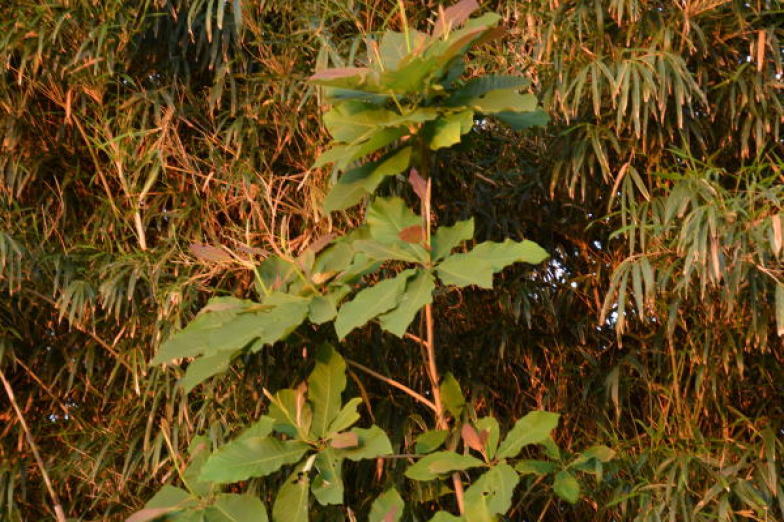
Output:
x=132 y=130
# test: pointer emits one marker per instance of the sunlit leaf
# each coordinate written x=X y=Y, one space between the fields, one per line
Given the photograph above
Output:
x=533 y=428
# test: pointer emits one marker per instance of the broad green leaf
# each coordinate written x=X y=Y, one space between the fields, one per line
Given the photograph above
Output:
x=396 y=46
x=343 y=77
x=445 y=239
x=336 y=257
x=167 y=500
x=502 y=100
x=252 y=457
x=524 y=120
x=447 y=130
x=567 y=487
x=327 y=487
x=431 y=466
x=464 y=270
x=323 y=308
x=373 y=442
x=353 y=120
x=268 y=322
x=190 y=515
x=399 y=251
x=205 y=367
x=388 y=507
x=361 y=181
x=430 y=441
x=346 y=417
x=476 y=87
x=387 y=217
x=337 y=94
x=490 y=426
x=198 y=452
x=259 y=429
x=291 y=412
x=276 y=273
x=443 y=516
x=236 y=508
x=371 y=302
x=191 y=341
x=535 y=467
x=325 y=386
x=501 y=255
x=491 y=494
x=418 y=293
x=599 y=453
x=534 y=428
x=291 y=503
x=452 y=395
x=343 y=155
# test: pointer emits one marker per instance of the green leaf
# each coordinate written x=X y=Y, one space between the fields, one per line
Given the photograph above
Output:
x=502 y=100
x=452 y=395
x=534 y=428
x=464 y=270
x=418 y=293
x=167 y=500
x=346 y=417
x=398 y=251
x=490 y=425
x=535 y=467
x=291 y=412
x=343 y=155
x=236 y=508
x=361 y=181
x=443 y=516
x=327 y=487
x=373 y=442
x=431 y=466
x=323 y=308
x=198 y=452
x=476 y=87
x=388 y=507
x=371 y=302
x=501 y=255
x=430 y=440
x=491 y=494
x=191 y=341
x=567 y=487
x=252 y=457
x=259 y=429
x=205 y=367
x=445 y=239
x=599 y=452
x=353 y=120
x=387 y=217
x=291 y=503
x=447 y=130
x=325 y=386
x=524 y=120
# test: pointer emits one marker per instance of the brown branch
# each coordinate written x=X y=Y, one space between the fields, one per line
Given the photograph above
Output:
x=393 y=383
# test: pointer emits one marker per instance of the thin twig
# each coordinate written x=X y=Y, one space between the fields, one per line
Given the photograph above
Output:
x=58 y=508
x=394 y=383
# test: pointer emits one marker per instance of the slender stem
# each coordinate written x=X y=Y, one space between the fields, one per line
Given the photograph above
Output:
x=393 y=382
x=430 y=346
x=58 y=508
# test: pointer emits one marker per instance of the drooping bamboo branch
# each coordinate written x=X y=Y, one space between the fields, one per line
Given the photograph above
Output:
x=58 y=508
